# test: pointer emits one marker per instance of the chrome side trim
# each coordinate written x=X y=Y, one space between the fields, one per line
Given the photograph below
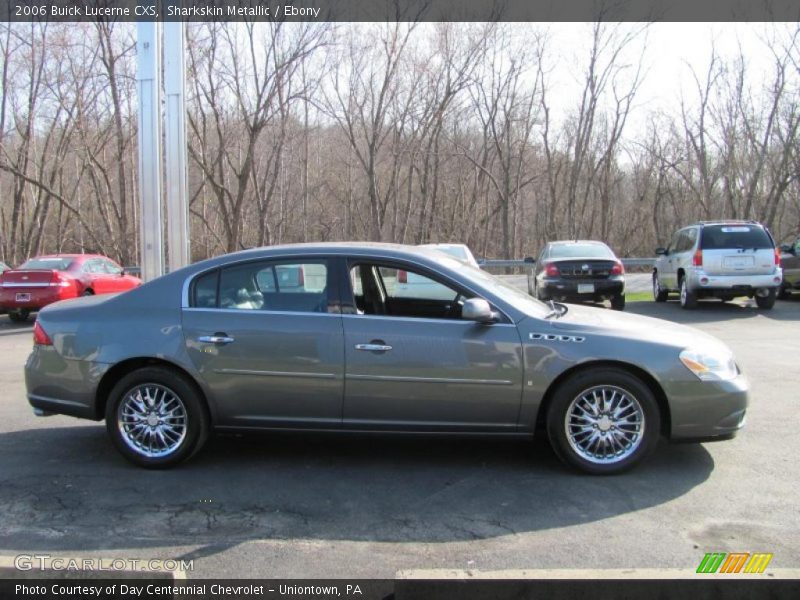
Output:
x=13 y=284
x=553 y=337
x=252 y=311
x=401 y=379
x=427 y=320
x=276 y=373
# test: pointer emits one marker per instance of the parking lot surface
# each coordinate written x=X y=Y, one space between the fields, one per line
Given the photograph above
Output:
x=315 y=506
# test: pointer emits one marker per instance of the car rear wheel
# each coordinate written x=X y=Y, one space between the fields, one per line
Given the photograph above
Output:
x=767 y=301
x=688 y=298
x=19 y=315
x=603 y=421
x=618 y=302
x=659 y=294
x=88 y=293
x=156 y=418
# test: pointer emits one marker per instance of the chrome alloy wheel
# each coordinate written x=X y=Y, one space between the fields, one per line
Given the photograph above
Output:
x=604 y=424
x=152 y=420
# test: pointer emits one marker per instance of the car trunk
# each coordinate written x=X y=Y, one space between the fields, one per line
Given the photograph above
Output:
x=33 y=278
x=737 y=250
x=584 y=268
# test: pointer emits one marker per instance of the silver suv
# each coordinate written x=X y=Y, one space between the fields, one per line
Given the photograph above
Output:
x=719 y=259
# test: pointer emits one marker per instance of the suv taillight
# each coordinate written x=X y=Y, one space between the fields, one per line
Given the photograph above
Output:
x=777 y=257
x=697 y=259
x=40 y=337
x=551 y=270
x=618 y=268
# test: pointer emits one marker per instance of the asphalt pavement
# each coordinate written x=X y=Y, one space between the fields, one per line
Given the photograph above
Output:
x=316 y=506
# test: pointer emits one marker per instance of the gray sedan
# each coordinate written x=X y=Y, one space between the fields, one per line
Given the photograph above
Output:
x=316 y=337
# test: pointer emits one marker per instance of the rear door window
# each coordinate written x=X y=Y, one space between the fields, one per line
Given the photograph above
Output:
x=723 y=237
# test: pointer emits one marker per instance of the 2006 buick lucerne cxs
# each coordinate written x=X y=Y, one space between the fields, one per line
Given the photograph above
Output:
x=314 y=337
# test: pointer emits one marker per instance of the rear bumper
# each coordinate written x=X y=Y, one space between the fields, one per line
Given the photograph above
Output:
x=62 y=386
x=39 y=297
x=700 y=281
x=567 y=289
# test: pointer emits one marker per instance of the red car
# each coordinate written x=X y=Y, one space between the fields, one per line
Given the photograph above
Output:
x=46 y=279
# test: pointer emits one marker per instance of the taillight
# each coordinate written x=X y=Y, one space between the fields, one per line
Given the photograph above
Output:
x=697 y=259
x=551 y=270
x=402 y=276
x=618 y=268
x=40 y=337
x=777 y=257
x=60 y=280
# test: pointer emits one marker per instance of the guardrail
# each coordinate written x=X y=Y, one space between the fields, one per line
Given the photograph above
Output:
x=499 y=264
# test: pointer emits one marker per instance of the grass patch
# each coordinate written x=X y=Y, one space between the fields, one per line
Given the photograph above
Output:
x=638 y=296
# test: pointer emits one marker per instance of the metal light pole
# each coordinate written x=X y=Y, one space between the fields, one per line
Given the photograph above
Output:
x=175 y=142
x=148 y=75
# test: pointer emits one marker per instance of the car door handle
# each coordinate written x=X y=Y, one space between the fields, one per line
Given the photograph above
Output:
x=215 y=339
x=373 y=347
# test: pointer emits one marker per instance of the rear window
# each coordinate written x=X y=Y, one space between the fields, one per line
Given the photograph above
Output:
x=456 y=251
x=56 y=263
x=718 y=237
x=580 y=251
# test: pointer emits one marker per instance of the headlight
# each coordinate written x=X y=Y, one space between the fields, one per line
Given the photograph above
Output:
x=710 y=366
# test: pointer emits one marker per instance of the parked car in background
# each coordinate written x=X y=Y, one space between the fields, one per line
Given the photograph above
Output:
x=165 y=367
x=578 y=271
x=459 y=251
x=43 y=280
x=405 y=284
x=790 y=263
x=719 y=259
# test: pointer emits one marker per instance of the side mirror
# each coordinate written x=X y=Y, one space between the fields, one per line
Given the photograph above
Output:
x=529 y=260
x=661 y=251
x=477 y=309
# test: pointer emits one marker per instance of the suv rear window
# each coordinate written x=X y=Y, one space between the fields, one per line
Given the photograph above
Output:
x=717 y=237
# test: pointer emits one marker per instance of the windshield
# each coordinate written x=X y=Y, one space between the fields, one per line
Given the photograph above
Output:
x=57 y=263
x=578 y=250
x=508 y=292
x=718 y=237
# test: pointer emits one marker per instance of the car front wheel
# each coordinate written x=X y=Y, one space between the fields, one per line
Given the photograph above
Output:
x=659 y=294
x=603 y=421
x=156 y=418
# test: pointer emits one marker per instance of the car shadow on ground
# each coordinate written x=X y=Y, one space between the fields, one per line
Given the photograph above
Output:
x=708 y=311
x=67 y=489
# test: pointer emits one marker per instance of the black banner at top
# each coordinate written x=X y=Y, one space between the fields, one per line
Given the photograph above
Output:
x=400 y=10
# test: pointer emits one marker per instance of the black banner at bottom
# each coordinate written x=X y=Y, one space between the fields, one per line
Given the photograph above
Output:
x=714 y=588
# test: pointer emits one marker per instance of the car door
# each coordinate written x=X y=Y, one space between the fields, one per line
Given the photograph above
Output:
x=272 y=356
x=671 y=260
x=414 y=364
x=116 y=278
x=94 y=276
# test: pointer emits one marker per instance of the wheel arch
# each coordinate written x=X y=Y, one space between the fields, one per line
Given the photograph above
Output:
x=122 y=368
x=665 y=425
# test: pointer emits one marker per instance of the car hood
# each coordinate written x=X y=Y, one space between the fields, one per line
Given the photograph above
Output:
x=589 y=320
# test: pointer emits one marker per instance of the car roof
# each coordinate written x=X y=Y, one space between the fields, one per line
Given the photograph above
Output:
x=576 y=242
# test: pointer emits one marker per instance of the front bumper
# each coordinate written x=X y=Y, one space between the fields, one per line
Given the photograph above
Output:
x=567 y=289
x=707 y=410
x=62 y=386
x=699 y=281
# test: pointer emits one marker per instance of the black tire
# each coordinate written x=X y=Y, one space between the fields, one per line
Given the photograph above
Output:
x=659 y=293
x=766 y=302
x=87 y=293
x=573 y=388
x=688 y=298
x=784 y=293
x=19 y=315
x=618 y=302
x=197 y=422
